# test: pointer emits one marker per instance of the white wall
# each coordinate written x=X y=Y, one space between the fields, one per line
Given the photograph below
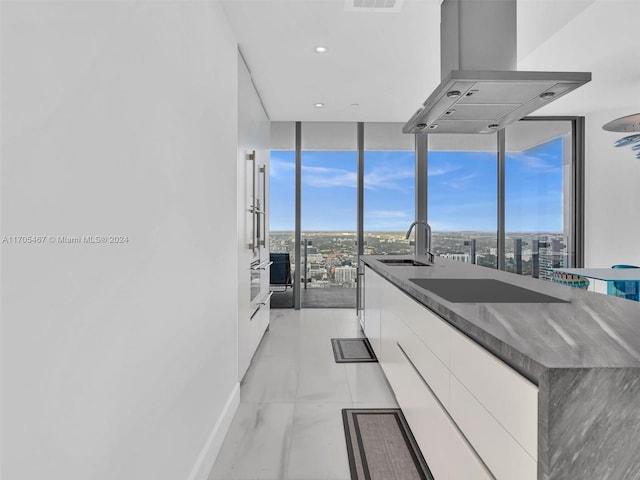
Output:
x=612 y=191
x=253 y=134
x=118 y=118
x=593 y=35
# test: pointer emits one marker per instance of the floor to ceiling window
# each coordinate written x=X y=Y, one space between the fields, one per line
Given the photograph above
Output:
x=541 y=204
x=528 y=226
x=389 y=188
x=282 y=200
x=462 y=197
x=282 y=220
x=329 y=207
x=539 y=197
x=282 y=209
x=329 y=254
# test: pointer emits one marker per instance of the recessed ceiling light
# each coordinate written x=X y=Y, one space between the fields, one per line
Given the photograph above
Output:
x=318 y=105
x=321 y=49
x=355 y=104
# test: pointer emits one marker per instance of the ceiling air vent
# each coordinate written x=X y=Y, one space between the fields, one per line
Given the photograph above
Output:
x=379 y=6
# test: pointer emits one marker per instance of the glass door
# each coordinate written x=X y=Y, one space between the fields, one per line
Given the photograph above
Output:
x=389 y=189
x=328 y=252
x=462 y=197
x=282 y=218
x=539 y=197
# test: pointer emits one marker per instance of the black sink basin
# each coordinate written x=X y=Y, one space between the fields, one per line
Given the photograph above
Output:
x=403 y=262
x=482 y=290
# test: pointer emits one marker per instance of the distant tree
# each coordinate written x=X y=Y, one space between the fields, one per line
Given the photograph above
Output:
x=487 y=260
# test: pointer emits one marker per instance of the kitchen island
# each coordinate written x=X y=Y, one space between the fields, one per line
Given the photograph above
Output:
x=546 y=389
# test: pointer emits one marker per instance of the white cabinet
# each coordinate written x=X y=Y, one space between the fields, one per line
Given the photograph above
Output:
x=435 y=433
x=429 y=327
x=252 y=186
x=428 y=366
x=473 y=417
x=510 y=398
x=444 y=449
x=372 y=305
x=496 y=446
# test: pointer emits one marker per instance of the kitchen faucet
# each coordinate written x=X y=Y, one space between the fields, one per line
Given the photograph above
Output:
x=427 y=228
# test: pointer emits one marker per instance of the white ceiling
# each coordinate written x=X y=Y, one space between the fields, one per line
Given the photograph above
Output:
x=388 y=63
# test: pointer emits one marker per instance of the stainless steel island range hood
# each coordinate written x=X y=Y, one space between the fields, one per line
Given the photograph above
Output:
x=481 y=92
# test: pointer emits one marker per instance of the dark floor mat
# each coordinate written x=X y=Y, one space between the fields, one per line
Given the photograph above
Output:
x=352 y=350
x=380 y=446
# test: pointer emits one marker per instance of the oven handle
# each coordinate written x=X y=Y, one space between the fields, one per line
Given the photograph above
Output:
x=262 y=240
x=262 y=266
x=267 y=298
x=260 y=304
x=254 y=241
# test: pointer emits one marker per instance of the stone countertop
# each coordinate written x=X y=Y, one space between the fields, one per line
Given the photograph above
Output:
x=591 y=331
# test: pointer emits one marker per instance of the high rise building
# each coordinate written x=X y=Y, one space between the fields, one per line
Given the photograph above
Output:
x=552 y=255
x=346 y=274
x=458 y=257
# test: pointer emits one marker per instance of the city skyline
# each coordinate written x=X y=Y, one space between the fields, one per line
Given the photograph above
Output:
x=461 y=192
x=329 y=259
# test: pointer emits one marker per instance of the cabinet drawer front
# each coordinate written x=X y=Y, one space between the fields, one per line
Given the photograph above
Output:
x=389 y=332
x=429 y=327
x=506 y=459
x=465 y=465
x=444 y=449
x=432 y=370
x=372 y=293
x=425 y=418
x=510 y=398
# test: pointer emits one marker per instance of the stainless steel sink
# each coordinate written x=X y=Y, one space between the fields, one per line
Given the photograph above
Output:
x=482 y=290
x=403 y=262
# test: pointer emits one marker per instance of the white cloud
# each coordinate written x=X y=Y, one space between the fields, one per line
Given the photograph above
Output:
x=328 y=177
x=443 y=170
x=279 y=167
x=378 y=214
x=460 y=183
x=387 y=177
x=536 y=163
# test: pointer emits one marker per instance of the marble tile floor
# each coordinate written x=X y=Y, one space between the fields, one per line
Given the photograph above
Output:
x=289 y=423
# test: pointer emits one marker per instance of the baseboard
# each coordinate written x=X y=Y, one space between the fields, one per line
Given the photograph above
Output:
x=207 y=457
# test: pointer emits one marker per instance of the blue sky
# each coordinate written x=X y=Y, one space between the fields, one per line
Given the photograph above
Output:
x=462 y=190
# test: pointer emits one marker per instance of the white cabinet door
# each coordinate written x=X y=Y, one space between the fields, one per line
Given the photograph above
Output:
x=506 y=459
x=465 y=465
x=424 y=416
x=446 y=452
x=506 y=395
x=399 y=306
x=432 y=370
x=430 y=328
x=372 y=304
